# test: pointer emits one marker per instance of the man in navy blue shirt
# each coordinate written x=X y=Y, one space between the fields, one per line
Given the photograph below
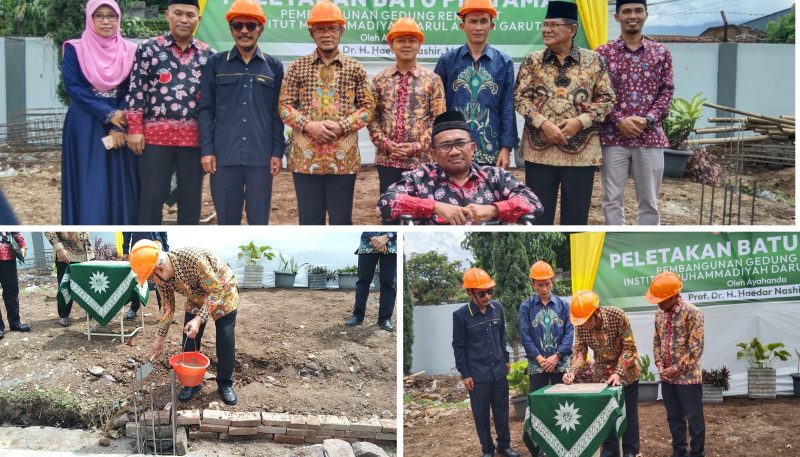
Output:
x=479 y=81
x=479 y=347
x=241 y=134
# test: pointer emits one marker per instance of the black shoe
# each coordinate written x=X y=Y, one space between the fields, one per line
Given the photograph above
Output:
x=228 y=395
x=131 y=315
x=21 y=327
x=354 y=321
x=63 y=321
x=508 y=452
x=386 y=324
x=188 y=393
x=605 y=453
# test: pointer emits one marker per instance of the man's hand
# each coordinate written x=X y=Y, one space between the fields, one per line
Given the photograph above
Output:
x=504 y=158
x=119 y=119
x=24 y=252
x=469 y=383
x=508 y=368
x=614 y=380
x=61 y=255
x=158 y=347
x=553 y=134
x=334 y=127
x=117 y=139
x=192 y=327
x=669 y=373
x=632 y=126
x=570 y=127
x=380 y=243
x=209 y=164
x=275 y=165
x=550 y=364
x=136 y=143
x=319 y=132
x=568 y=378
x=453 y=214
x=483 y=213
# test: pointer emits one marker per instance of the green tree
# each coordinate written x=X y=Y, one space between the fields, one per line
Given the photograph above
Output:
x=24 y=17
x=408 y=322
x=782 y=31
x=433 y=278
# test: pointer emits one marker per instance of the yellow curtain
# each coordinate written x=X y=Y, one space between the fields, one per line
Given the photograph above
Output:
x=585 y=250
x=120 y=240
x=202 y=4
x=594 y=20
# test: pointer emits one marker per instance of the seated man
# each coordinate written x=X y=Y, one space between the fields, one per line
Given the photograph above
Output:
x=454 y=190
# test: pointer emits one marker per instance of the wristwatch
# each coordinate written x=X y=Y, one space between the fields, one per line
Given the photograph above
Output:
x=650 y=121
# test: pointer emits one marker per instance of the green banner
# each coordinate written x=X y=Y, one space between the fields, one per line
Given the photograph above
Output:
x=517 y=32
x=716 y=268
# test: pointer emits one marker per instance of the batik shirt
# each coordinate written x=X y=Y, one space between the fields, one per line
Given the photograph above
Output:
x=545 y=329
x=643 y=83
x=77 y=245
x=165 y=91
x=6 y=253
x=418 y=191
x=314 y=91
x=613 y=346
x=546 y=90
x=407 y=104
x=678 y=341
x=205 y=280
x=483 y=91
x=365 y=246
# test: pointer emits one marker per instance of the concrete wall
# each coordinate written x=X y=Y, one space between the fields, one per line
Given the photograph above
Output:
x=41 y=74
x=3 y=83
x=763 y=76
x=695 y=67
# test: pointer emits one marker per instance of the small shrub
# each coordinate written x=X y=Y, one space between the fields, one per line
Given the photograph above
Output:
x=647 y=375
x=719 y=377
x=703 y=167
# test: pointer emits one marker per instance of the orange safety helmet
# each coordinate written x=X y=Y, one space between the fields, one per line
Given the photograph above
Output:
x=542 y=271
x=250 y=8
x=144 y=258
x=477 y=5
x=584 y=304
x=665 y=285
x=325 y=11
x=476 y=278
x=405 y=26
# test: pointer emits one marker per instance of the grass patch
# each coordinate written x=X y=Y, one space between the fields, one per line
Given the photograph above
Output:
x=408 y=399
x=55 y=407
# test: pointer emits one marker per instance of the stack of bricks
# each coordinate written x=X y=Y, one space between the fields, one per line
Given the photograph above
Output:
x=214 y=424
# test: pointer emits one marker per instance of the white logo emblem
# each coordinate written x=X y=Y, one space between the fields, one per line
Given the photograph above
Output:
x=98 y=282
x=567 y=416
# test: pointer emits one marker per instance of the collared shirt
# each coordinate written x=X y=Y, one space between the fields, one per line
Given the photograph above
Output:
x=483 y=91
x=239 y=122
x=314 y=91
x=6 y=253
x=407 y=104
x=678 y=341
x=545 y=329
x=130 y=238
x=643 y=83
x=479 y=342
x=546 y=90
x=76 y=245
x=205 y=280
x=365 y=246
x=418 y=191
x=613 y=346
x=164 y=92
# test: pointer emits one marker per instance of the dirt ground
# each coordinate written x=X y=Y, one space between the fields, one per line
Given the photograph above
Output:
x=35 y=195
x=293 y=354
x=738 y=427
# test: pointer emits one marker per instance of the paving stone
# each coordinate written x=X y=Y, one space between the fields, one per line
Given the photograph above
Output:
x=216 y=417
x=188 y=417
x=181 y=441
x=233 y=430
x=272 y=430
x=370 y=425
x=362 y=435
x=159 y=417
x=386 y=436
x=289 y=439
x=199 y=435
x=275 y=419
x=300 y=432
x=388 y=425
x=213 y=428
x=334 y=423
x=306 y=422
x=246 y=419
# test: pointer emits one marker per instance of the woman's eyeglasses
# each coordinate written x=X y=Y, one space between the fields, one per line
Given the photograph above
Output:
x=238 y=26
x=111 y=17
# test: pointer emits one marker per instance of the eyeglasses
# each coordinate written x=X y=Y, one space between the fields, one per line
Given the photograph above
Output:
x=237 y=26
x=553 y=25
x=484 y=293
x=110 y=17
x=323 y=29
x=461 y=145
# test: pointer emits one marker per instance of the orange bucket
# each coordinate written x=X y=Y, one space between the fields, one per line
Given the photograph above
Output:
x=189 y=367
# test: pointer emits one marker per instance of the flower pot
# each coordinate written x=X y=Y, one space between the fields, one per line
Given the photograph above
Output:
x=284 y=279
x=253 y=277
x=796 y=384
x=675 y=161
x=317 y=281
x=348 y=281
x=712 y=394
x=648 y=391
x=520 y=407
x=761 y=383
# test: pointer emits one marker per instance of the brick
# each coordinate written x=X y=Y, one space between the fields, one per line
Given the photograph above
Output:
x=233 y=430
x=334 y=423
x=384 y=443
x=159 y=417
x=388 y=425
x=216 y=417
x=339 y=433
x=370 y=425
x=305 y=422
x=229 y=437
x=245 y=419
x=386 y=436
x=275 y=419
x=213 y=428
x=289 y=439
x=359 y=434
x=198 y=435
x=316 y=439
x=265 y=436
x=267 y=429
x=189 y=417
x=300 y=432
x=161 y=431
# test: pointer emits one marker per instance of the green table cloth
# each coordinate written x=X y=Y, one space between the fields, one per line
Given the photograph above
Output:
x=573 y=424
x=101 y=288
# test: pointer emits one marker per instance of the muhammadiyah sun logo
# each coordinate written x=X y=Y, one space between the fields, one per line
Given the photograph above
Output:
x=567 y=416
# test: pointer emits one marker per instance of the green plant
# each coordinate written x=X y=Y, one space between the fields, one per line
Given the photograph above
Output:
x=647 y=375
x=351 y=269
x=321 y=270
x=288 y=264
x=761 y=356
x=253 y=254
x=798 y=359
x=782 y=30
x=704 y=167
x=518 y=379
x=719 y=377
x=683 y=115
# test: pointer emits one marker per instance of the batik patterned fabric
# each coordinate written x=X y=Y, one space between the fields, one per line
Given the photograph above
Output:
x=314 y=91
x=6 y=251
x=547 y=90
x=77 y=245
x=546 y=330
x=407 y=104
x=678 y=341
x=418 y=191
x=643 y=83
x=205 y=280
x=365 y=245
x=613 y=346
x=165 y=91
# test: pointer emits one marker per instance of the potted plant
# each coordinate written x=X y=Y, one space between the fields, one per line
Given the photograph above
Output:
x=760 y=374
x=714 y=383
x=348 y=277
x=318 y=276
x=648 y=386
x=683 y=115
x=287 y=271
x=253 y=270
x=520 y=385
x=796 y=376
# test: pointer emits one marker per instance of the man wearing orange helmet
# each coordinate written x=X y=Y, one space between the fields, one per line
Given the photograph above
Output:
x=677 y=349
x=211 y=290
x=479 y=347
x=325 y=99
x=608 y=333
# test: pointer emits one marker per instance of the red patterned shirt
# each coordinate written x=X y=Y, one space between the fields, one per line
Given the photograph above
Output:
x=678 y=341
x=643 y=83
x=6 y=253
